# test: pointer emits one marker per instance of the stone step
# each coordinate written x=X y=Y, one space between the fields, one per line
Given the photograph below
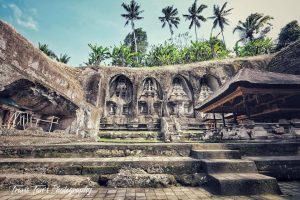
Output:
x=96 y=150
x=86 y=166
x=242 y=184
x=8 y=181
x=215 y=154
x=212 y=166
x=211 y=146
x=280 y=167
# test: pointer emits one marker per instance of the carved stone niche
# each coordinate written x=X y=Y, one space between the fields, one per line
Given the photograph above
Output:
x=150 y=98
x=119 y=102
x=180 y=101
x=205 y=90
x=208 y=84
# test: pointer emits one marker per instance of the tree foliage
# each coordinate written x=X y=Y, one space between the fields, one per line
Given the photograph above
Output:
x=256 y=26
x=123 y=56
x=64 y=58
x=170 y=17
x=98 y=54
x=45 y=49
x=288 y=34
x=170 y=53
x=195 y=16
x=132 y=14
x=141 y=40
x=255 y=47
x=219 y=18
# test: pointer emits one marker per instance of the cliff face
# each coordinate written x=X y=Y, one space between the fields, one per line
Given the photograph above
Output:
x=80 y=96
x=40 y=85
x=287 y=60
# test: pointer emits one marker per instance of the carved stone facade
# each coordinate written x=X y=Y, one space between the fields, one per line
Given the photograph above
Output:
x=87 y=99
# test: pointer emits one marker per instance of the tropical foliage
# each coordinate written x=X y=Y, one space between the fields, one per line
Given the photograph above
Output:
x=219 y=18
x=255 y=47
x=98 y=54
x=63 y=58
x=170 y=53
x=195 y=16
x=123 y=56
x=288 y=34
x=256 y=26
x=180 y=49
x=141 y=40
x=132 y=14
x=170 y=17
x=45 y=49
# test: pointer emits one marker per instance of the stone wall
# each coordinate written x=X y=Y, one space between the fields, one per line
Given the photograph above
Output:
x=134 y=94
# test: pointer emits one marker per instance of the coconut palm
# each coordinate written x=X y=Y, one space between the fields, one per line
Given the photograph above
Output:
x=219 y=18
x=63 y=58
x=195 y=16
x=133 y=14
x=170 y=18
x=45 y=49
x=254 y=24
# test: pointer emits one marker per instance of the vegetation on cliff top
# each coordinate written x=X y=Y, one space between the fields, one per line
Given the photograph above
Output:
x=181 y=49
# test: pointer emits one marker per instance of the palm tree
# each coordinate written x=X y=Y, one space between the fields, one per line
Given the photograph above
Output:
x=63 y=58
x=45 y=49
x=170 y=18
x=219 y=18
x=133 y=14
x=254 y=24
x=195 y=17
x=98 y=54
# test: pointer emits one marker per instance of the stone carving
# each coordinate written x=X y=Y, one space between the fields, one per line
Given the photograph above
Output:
x=120 y=98
x=150 y=100
x=180 y=101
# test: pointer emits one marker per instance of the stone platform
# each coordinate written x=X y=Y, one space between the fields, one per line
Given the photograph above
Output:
x=226 y=169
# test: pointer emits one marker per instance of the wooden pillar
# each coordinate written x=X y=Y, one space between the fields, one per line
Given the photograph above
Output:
x=215 y=121
x=235 y=118
x=223 y=119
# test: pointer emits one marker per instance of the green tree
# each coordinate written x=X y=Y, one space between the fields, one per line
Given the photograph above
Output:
x=98 y=54
x=141 y=40
x=133 y=14
x=288 y=34
x=63 y=58
x=219 y=18
x=45 y=49
x=256 y=26
x=122 y=56
x=195 y=16
x=170 y=17
x=218 y=48
x=255 y=47
x=163 y=54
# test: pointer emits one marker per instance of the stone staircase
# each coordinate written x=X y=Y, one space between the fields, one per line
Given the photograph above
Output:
x=96 y=164
x=228 y=174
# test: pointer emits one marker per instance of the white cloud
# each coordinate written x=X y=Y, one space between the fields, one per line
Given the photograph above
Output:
x=22 y=18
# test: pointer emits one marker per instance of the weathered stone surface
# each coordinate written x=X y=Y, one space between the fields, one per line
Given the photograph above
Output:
x=8 y=181
x=139 y=178
x=287 y=60
x=242 y=184
x=216 y=154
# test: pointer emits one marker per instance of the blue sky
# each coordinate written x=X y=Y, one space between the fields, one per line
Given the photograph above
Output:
x=67 y=26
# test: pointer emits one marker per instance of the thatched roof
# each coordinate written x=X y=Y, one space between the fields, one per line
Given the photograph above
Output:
x=253 y=79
